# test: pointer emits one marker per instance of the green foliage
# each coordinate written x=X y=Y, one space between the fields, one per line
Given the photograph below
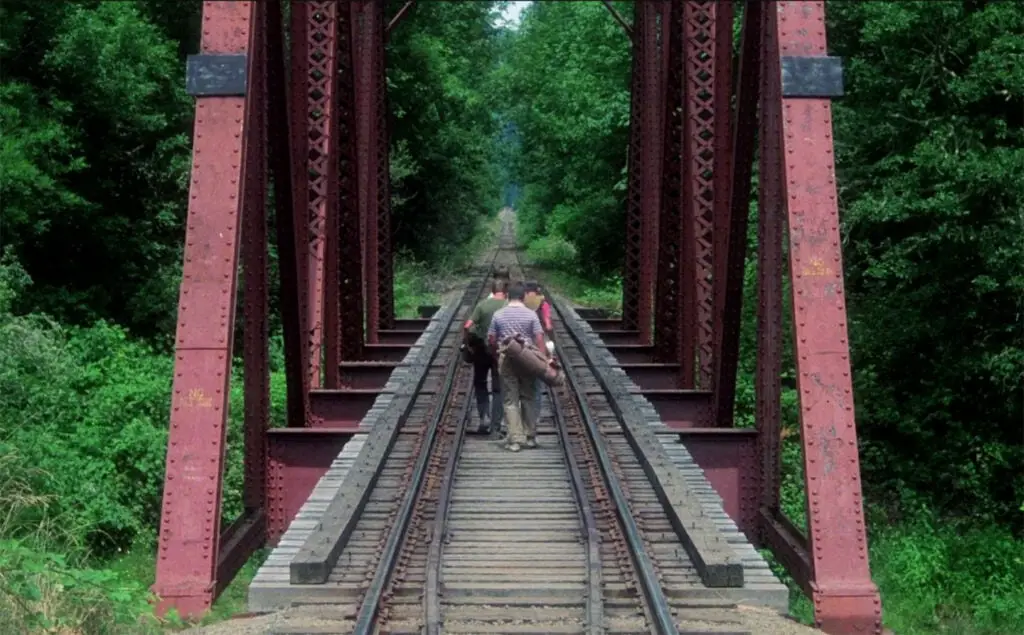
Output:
x=94 y=156
x=931 y=163
x=443 y=158
x=563 y=82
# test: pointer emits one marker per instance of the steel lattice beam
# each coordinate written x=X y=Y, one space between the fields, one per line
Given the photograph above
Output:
x=699 y=184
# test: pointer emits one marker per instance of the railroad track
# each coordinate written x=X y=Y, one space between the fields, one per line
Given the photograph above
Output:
x=564 y=538
x=580 y=535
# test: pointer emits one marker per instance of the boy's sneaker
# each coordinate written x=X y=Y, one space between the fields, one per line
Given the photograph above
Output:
x=485 y=426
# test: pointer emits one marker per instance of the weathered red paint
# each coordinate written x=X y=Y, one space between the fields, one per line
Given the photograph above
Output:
x=734 y=153
x=653 y=375
x=368 y=25
x=727 y=457
x=340 y=409
x=188 y=549
x=336 y=154
x=632 y=353
x=385 y=352
x=679 y=408
x=297 y=458
x=845 y=599
x=366 y=375
x=398 y=336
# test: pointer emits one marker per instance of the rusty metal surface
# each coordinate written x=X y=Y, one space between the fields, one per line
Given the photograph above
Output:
x=385 y=290
x=296 y=460
x=728 y=457
x=187 y=554
x=845 y=599
x=652 y=146
x=371 y=139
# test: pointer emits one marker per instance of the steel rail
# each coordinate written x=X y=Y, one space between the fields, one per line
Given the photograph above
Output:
x=432 y=595
x=367 y=614
x=653 y=593
x=595 y=602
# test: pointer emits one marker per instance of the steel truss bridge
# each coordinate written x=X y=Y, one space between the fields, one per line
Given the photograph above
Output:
x=291 y=143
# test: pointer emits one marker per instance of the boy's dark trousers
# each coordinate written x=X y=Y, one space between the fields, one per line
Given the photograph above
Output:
x=484 y=364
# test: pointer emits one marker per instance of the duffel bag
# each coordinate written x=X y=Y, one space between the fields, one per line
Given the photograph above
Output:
x=531 y=362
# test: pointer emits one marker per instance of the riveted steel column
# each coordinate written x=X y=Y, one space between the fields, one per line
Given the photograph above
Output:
x=298 y=129
x=770 y=224
x=317 y=76
x=350 y=246
x=369 y=28
x=187 y=554
x=667 y=315
x=845 y=599
x=652 y=130
x=256 y=351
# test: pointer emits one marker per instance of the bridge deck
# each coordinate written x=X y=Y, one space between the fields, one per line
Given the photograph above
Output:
x=271 y=589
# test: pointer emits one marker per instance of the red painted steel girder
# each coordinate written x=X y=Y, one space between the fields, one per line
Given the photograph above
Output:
x=315 y=82
x=190 y=561
x=845 y=599
x=372 y=163
x=699 y=185
x=350 y=269
x=667 y=300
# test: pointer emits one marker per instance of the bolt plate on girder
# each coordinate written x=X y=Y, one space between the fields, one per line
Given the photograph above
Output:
x=818 y=77
x=213 y=75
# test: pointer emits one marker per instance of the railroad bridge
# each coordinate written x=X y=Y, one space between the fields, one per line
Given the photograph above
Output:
x=642 y=508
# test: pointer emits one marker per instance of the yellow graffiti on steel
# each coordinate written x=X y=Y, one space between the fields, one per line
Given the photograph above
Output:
x=198 y=399
x=816 y=268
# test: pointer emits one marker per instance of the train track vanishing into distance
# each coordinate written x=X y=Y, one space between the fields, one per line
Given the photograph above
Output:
x=451 y=533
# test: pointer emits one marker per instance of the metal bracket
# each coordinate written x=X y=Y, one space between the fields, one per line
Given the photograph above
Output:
x=812 y=77
x=216 y=75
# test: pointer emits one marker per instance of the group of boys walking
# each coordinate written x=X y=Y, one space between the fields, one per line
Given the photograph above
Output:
x=511 y=310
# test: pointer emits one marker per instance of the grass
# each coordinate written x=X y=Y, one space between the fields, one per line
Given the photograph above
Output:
x=424 y=284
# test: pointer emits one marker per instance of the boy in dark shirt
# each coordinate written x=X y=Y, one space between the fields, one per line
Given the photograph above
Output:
x=484 y=363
